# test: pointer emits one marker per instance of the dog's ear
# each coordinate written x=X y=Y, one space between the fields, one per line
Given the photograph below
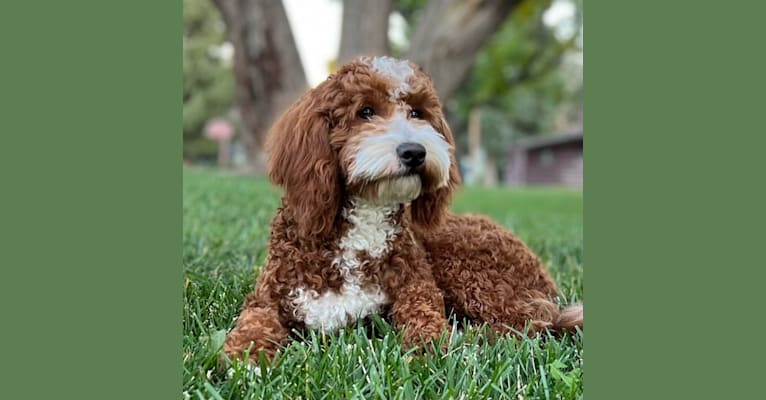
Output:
x=302 y=161
x=429 y=209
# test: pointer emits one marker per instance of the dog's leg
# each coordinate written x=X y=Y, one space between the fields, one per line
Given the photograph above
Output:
x=418 y=309
x=504 y=308
x=258 y=329
x=489 y=275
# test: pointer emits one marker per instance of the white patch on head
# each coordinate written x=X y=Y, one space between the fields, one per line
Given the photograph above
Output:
x=371 y=231
x=397 y=70
x=377 y=158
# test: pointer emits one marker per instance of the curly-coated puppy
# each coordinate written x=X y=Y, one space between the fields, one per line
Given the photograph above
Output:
x=367 y=164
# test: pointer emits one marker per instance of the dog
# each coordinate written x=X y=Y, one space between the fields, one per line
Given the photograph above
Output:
x=367 y=164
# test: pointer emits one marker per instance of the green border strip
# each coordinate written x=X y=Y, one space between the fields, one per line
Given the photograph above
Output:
x=673 y=219
x=90 y=219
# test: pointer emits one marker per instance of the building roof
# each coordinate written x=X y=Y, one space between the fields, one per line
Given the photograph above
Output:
x=540 y=141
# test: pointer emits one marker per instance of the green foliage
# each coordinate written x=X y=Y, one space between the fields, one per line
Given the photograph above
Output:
x=226 y=225
x=208 y=83
x=518 y=81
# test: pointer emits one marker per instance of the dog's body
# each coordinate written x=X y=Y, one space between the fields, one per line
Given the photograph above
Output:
x=367 y=163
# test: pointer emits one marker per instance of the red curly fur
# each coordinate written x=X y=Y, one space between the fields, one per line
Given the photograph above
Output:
x=335 y=243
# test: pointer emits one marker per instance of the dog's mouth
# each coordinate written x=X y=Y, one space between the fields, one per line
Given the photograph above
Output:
x=397 y=184
x=409 y=171
x=399 y=188
x=401 y=172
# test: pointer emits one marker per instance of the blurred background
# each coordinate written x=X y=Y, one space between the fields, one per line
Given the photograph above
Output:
x=509 y=74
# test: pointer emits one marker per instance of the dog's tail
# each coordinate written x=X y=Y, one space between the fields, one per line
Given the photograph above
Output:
x=569 y=319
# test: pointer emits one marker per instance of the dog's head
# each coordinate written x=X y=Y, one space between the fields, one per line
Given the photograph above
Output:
x=373 y=130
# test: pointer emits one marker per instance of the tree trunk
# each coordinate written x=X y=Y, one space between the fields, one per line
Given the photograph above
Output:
x=267 y=68
x=365 y=29
x=450 y=33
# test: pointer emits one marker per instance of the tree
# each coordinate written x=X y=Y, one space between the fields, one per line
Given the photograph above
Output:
x=450 y=33
x=365 y=29
x=519 y=71
x=267 y=68
x=446 y=42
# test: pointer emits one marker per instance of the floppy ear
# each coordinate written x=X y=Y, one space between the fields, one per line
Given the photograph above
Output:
x=429 y=209
x=302 y=161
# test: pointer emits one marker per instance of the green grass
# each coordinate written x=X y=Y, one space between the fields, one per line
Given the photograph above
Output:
x=226 y=224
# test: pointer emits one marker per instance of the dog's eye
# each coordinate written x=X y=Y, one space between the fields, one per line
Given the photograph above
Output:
x=366 y=113
x=416 y=114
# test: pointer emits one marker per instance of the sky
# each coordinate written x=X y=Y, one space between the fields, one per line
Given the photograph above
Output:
x=316 y=29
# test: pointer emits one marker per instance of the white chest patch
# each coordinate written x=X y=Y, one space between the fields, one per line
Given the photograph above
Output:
x=371 y=231
x=398 y=70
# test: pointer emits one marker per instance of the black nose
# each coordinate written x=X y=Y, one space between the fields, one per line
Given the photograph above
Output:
x=411 y=154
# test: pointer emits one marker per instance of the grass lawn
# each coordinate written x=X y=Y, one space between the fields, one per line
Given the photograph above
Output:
x=225 y=227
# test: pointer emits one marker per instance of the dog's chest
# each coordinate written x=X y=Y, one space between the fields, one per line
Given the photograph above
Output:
x=371 y=231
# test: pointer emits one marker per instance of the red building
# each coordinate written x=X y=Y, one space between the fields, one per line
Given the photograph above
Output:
x=554 y=160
